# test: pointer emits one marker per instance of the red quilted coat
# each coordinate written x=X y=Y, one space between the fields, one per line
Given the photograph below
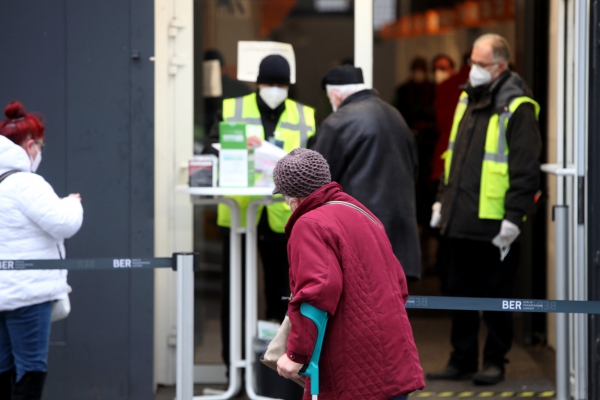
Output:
x=341 y=261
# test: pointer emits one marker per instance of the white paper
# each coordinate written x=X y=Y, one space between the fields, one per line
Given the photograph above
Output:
x=212 y=85
x=267 y=330
x=233 y=168
x=266 y=156
x=251 y=53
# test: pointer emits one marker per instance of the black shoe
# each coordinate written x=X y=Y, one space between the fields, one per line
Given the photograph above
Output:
x=489 y=375
x=30 y=387
x=7 y=378
x=450 y=373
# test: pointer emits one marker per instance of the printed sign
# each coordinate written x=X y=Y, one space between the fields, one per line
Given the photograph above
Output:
x=251 y=53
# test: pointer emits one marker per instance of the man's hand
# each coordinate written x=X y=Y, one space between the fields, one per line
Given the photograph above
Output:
x=287 y=368
x=253 y=141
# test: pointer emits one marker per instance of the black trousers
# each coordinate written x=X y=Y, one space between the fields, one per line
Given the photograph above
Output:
x=476 y=271
x=273 y=251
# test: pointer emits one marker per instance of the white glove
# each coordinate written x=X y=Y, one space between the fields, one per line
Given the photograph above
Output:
x=508 y=233
x=436 y=214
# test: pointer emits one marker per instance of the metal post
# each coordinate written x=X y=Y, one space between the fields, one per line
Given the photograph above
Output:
x=235 y=300
x=580 y=125
x=251 y=293
x=363 y=39
x=561 y=225
x=185 y=326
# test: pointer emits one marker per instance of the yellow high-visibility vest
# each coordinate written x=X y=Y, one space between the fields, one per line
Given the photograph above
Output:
x=296 y=125
x=494 y=172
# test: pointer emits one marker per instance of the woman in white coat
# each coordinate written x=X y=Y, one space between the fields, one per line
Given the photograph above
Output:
x=34 y=221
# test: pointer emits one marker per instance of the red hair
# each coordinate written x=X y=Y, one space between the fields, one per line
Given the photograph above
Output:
x=20 y=126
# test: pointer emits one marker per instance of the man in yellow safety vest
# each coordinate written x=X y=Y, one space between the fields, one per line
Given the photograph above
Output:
x=490 y=179
x=269 y=115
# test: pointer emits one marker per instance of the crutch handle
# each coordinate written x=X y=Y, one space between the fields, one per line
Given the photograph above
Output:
x=319 y=317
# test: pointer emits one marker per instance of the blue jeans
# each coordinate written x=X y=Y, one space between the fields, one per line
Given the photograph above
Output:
x=403 y=397
x=24 y=337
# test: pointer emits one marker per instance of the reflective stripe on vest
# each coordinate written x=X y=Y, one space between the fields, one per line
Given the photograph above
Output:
x=495 y=180
x=461 y=108
x=296 y=125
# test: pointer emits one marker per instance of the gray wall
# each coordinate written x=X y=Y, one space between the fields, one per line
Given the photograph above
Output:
x=72 y=61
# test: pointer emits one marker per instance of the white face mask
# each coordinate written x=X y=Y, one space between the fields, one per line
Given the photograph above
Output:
x=479 y=76
x=273 y=95
x=35 y=163
x=440 y=75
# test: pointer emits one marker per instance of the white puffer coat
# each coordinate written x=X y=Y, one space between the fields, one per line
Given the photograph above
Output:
x=34 y=221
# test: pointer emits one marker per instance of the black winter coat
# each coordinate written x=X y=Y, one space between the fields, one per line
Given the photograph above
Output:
x=372 y=154
x=460 y=197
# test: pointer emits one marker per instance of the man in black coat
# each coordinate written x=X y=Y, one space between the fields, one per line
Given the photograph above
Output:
x=488 y=188
x=372 y=154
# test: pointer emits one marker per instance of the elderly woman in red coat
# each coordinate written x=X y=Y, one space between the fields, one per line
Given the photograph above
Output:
x=341 y=261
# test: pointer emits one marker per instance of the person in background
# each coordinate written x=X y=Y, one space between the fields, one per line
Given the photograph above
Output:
x=443 y=68
x=271 y=116
x=490 y=179
x=342 y=262
x=372 y=154
x=447 y=93
x=415 y=101
x=33 y=225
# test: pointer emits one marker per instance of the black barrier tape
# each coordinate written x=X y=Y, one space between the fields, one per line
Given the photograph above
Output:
x=420 y=302
x=87 y=264
x=517 y=305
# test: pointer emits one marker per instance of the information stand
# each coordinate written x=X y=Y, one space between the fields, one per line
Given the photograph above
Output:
x=216 y=195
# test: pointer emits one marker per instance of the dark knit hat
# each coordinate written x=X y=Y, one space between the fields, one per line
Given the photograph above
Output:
x=274 y=69
x=342 y=75
x=300 y=173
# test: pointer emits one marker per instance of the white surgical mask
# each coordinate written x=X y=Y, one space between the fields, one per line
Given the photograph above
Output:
x=35 y=163
x=479 y=76
x=333 y=107
x=273 y=95
x=440 y=75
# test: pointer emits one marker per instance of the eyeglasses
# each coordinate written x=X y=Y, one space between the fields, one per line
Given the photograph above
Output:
x=480 y=64
x=42 y=145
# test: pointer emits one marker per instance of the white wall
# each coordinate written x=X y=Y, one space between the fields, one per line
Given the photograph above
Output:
x=173 y=146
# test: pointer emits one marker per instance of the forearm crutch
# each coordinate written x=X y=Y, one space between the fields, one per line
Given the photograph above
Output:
x=319 y=317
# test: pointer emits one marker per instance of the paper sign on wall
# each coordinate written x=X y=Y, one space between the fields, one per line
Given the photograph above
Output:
x=251 y=53
x=212 y=85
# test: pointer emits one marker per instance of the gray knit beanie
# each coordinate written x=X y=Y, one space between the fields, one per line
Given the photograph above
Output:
x=300 y=173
